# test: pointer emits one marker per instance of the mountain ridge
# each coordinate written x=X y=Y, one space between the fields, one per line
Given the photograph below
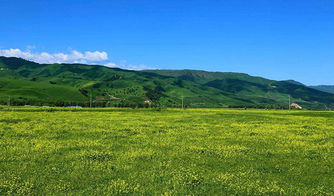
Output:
x=325 y=88
x=32 y=83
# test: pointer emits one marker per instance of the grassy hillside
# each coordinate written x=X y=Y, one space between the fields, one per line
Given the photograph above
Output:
x=68 y=84
x=325 y=88
x=255 y=90
x=31 y=92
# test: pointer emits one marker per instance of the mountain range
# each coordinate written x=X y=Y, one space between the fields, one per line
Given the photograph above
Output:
x=325 y=88
x=24 y=82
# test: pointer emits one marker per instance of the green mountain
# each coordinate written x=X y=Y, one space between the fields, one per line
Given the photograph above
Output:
x=294 y=82
x=325 y=88
x=25 y=82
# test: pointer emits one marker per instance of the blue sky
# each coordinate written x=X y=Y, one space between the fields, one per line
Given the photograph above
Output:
x=277 y=39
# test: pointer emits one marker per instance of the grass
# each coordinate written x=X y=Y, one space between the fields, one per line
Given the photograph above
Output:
x=21 y=90
x=169 y=152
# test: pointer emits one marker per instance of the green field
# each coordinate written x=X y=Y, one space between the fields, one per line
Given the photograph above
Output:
x=168 y=152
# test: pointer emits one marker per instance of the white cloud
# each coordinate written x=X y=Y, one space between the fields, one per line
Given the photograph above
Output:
x=44 y=57
x=139 y=67
x=73 y=56
x=110 y=64
x=123 y=64
x=96 y=56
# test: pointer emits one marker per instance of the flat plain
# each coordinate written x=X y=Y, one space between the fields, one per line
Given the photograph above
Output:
x=169 y=152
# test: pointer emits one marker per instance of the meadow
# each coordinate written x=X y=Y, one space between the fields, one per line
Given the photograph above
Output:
x=169 y=152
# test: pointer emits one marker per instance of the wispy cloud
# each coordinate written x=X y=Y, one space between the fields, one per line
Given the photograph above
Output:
x=111 y=64
x=123 y=64
x=45 y=57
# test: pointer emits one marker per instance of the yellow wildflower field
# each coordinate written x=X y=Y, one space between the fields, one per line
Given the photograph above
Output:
x=169 y=152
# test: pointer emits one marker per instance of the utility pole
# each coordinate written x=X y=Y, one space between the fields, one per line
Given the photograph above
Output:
x=182 y=101
x=8 y=103
x=289 y=102
x=90 y=100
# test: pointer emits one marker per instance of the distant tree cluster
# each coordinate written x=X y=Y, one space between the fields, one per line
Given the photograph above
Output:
x=274 y=107
x=154 y=94
x=155 y=99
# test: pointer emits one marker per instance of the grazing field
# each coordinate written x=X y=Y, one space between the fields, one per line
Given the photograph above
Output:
x=168 y=152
